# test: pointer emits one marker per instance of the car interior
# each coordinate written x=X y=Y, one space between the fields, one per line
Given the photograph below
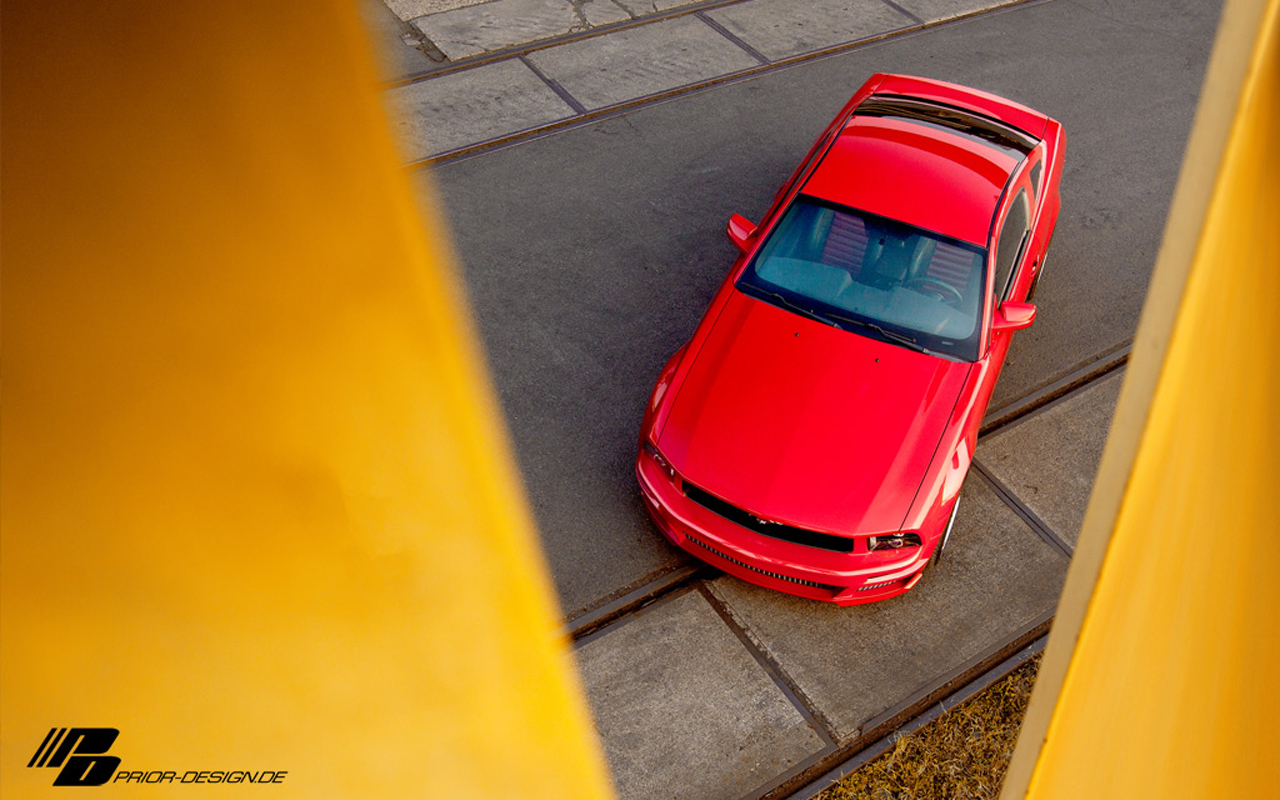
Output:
x=876 y=268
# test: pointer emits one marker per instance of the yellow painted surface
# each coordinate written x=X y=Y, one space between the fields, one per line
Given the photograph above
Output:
x=259 y=512
x=1172 y=689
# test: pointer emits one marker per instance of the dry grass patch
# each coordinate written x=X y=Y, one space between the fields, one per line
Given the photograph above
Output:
x=962 y=754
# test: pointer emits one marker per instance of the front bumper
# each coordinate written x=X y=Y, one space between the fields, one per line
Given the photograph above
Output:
x=844 y=579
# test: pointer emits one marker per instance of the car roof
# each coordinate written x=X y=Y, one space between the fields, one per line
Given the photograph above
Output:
x=915 y=172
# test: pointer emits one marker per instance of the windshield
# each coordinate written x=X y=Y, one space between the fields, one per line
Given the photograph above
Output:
x=872 y=276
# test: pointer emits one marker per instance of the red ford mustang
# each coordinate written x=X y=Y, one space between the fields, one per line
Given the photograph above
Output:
x=813 y=435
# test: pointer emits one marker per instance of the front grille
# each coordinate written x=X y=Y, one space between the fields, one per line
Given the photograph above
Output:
x=773 y=530
x=780 y=577
x=871 y=586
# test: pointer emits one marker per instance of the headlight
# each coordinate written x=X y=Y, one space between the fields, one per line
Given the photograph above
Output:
x=893 y=541
x=660 y=460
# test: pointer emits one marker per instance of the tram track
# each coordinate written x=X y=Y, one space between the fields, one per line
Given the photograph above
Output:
x=583 y=116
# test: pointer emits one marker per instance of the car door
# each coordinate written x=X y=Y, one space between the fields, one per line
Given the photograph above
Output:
x=1010 y=262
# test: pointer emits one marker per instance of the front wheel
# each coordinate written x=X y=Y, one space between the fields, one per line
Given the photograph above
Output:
x=936 y=558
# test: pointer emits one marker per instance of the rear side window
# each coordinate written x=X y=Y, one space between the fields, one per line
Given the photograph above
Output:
x=1011 y=236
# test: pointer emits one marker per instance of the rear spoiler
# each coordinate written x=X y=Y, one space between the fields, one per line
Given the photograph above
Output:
x=964 y=121
x=1012 y=114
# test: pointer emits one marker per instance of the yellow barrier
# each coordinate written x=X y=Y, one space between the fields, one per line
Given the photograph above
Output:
x=1160 y=676
x=259 y=513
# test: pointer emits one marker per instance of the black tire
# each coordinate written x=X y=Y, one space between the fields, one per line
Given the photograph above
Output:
x=936 y=557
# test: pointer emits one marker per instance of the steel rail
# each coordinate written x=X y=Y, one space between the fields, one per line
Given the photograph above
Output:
x=589 y=116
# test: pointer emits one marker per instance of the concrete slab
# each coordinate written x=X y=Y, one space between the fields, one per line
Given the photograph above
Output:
x=935 y=10
x=394 y=53
x=411 y=9
x=1049 y=459
x=782 y=28
x=640 y=8
x=684 y=710
x=471 y=106
x=632 y=63
x=484 y=28
x=996 y=580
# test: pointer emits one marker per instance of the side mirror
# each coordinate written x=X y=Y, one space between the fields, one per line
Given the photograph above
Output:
x=740 y=231
x=1013 y=317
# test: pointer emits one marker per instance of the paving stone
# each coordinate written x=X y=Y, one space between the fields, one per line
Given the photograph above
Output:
x=935 y=10
x=685 y=711
x=996 y=580
x=483 y=28
x=463 y=108
x=640 y=8
x=412 y=9
x=640 y=61
x=782 y=28
x=1049 y=459
x=391 y=51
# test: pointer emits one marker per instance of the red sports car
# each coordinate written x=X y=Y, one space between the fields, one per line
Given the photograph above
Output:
x=813 y=435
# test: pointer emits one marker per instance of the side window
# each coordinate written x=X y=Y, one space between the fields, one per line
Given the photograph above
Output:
x=1010 y=242
x=1035 y=176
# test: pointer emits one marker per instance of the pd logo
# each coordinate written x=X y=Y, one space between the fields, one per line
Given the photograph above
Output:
x=81 y=752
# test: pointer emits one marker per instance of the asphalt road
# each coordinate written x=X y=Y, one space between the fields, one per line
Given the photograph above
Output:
x=591 y=254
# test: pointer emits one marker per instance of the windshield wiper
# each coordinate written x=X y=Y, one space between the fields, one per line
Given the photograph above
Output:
x=892 y=336
x=791 y=304
x=834 y=319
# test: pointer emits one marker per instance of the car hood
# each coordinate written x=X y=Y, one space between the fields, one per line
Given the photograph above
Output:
x=803 y=423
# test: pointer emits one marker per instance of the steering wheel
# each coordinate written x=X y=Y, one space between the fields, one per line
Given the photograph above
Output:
x=945 y=291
